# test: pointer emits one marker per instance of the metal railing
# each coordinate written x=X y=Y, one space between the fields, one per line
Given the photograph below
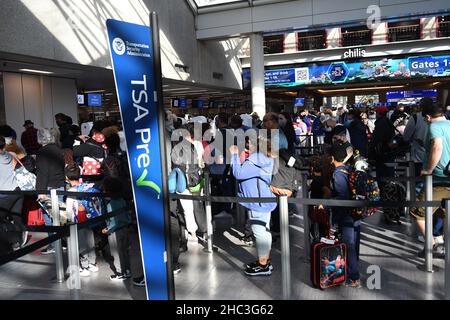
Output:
x=69 y=231
x=303 y=202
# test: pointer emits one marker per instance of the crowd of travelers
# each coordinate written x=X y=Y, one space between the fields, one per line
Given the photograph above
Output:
x=244 y=156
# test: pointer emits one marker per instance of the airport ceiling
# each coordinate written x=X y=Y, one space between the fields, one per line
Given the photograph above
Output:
x=101 y=79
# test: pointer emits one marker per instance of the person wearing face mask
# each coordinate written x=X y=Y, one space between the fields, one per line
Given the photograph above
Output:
x=371 y=118
x=329 y=124
x=436 y=163
x=357 y=132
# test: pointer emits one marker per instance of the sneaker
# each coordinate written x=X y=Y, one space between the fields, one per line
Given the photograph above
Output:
x=48 y=250
x=356 y=284
x=439 y=240
x=258 y=270
x=256 y=263
x=92 y=268
x=84 y=272
x=117 y=277
x=25 y=239
x=177 y=268
x=139 y=282
x=248 y=241
x=127 y=274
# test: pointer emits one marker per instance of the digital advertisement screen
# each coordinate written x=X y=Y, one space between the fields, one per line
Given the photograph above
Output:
x=197 y=104
x=95 y=100
x=347 y=72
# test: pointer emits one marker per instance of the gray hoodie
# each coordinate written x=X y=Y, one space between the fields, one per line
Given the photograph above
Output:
x=7 y=177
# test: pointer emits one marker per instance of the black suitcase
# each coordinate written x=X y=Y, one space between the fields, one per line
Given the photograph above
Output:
x=328 y=263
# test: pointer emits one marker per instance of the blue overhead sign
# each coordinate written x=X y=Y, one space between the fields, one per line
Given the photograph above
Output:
x=131 y=48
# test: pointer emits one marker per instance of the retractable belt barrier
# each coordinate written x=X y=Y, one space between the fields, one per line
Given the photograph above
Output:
x=60 y=232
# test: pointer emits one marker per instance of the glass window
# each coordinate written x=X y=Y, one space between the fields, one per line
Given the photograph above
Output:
x=443 y=26
x=274 y=44
x=404 y=30
x=312 y=40
x=356 y=36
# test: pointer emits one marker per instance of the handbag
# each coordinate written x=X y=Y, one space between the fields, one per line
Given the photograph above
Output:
x=25 y=179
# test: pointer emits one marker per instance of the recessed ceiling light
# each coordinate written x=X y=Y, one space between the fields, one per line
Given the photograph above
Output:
x=36 y=71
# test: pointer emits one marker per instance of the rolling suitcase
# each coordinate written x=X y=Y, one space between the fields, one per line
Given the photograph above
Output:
x=328 y=263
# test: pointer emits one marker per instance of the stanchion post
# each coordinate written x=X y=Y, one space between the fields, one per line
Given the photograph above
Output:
x=208 y=214
x=285 y=247
x=447 y=248
x=74 y=263
x=58 y=248
x=305 y=215
x=429 y=225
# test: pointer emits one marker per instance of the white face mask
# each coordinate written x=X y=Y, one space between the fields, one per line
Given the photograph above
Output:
x=328 y=129
x=8 y=141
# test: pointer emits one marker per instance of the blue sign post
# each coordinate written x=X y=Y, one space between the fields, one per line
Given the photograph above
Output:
x=135 y=55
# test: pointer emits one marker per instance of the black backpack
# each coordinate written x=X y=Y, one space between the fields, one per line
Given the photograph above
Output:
x=285 y=175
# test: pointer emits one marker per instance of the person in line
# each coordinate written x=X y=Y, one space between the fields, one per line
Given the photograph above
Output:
x=287 y=126
x=29 y=138
x=348 y=226
x=49 y=173
x=80 y=210
x=270 y=122
x=254 y=177
x=379 y=148
x=117 y=229
x=436 y=162
x=358 y=132
x=10 y=205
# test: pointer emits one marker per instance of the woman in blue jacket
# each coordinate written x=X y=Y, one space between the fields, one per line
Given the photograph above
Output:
x=254 y=177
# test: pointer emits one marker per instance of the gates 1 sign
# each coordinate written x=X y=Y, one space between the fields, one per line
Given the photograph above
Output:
x=131 y=48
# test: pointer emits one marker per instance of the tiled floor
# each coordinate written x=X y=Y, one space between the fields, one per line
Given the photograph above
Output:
x=393 y=248
x=34 y=277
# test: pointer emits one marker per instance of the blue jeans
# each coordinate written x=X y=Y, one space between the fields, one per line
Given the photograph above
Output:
x=260 y=224
x=351 y=232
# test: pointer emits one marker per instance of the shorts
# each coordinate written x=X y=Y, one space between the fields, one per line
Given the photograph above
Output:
x=439 y=193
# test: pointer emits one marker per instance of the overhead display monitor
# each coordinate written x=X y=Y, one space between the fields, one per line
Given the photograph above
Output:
x=414 y=67
x=397 y=95
x=299 y=102
x=95 y=100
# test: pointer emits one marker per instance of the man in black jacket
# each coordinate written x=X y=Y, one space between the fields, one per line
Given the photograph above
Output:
x=379 y=147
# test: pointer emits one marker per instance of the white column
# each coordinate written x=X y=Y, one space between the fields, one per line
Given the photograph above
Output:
x=380 y=35
x=333 y=37
x=290 y=43
x=257 y=71
x=429 y=28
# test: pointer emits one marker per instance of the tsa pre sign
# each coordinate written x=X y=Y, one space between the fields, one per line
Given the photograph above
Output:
x=131 y=48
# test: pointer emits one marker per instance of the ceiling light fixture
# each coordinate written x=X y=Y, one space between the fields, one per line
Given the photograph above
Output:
x=36 y=71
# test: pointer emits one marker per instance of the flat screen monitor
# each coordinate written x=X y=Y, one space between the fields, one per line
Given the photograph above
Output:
x=299 y=102
x=198 y=104
x=95 y=100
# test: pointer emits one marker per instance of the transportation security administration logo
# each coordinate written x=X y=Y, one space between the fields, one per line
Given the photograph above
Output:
x=119 y=46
